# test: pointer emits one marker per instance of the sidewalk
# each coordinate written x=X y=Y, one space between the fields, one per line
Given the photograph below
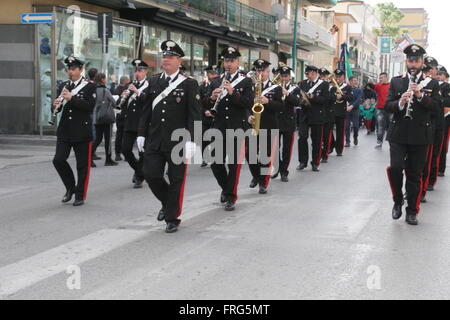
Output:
x=34 y=140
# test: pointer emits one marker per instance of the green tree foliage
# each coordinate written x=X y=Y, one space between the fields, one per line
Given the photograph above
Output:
x=390 y=16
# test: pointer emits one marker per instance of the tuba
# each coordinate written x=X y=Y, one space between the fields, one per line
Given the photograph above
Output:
x=258 y=107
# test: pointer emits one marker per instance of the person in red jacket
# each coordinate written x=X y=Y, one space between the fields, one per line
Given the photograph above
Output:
x=382 y=117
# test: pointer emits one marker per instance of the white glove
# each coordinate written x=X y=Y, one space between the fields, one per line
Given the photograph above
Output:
x=190 y=147
x=140 y=141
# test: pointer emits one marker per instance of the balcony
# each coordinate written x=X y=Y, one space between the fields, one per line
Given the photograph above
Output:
x=311 y=36
x=230 y=13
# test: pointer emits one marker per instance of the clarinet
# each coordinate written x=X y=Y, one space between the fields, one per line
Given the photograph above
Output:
x=52 y=120
x=124 y=98
x=408 y=115
x=219 y=98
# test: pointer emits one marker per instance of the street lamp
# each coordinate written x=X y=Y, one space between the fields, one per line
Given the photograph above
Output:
x=294 y=42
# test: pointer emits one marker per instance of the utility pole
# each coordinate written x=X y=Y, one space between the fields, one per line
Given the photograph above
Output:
x=294 y=41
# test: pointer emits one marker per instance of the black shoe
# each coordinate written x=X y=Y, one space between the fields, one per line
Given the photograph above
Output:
x=324 y=160
x=93 y=165
x=355 y=141
x=441 y=174
x=68 y=196
x=253 y=183
x=423 y=199
x=302 y=166
x=110 y=163
x=347 y=145
x=172 y=227
x=223 y=199
x=397 y=211
x=138 y=183
x=412 y=219
x=430 y=187
x=262 y=190
x=204 y=164
x=96 y=157
x=78 y=202
x=315 y=168
x=274 y=176
x=339 y=154
x=134 y=179
x=230 y=206
x=161 y=215
x=284 y=178
x=118 y=157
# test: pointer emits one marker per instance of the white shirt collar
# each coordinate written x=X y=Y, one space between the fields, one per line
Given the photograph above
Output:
x=266 y=82
x=233 y=75
x=75 y=83
x=172 y=76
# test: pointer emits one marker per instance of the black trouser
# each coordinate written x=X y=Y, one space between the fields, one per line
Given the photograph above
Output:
x=129 y=139
x=206 y=125
x=437 y=149
x=340 y=135
x=169 y=194
x=228 y=180
x=260 y=170
x=119 y=138
x=103 y=130
x=327 y=139
x=411 y=159
x=83 y=155
x=443 y=159
x=316 y=138
x=427 y=169
x=285 y=143
x=352 y=122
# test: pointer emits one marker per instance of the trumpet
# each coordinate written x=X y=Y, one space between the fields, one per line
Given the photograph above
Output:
x=258 y=107
x=219 y=98
x=60 y=100
x=338 y=88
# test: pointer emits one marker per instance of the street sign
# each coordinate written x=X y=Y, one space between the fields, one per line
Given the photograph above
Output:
x=31 y=18
x=385 y=45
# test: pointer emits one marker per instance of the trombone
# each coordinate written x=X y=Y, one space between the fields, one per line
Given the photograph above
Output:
x=338 y=88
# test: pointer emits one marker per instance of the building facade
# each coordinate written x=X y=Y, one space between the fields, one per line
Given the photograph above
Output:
x=415 y=24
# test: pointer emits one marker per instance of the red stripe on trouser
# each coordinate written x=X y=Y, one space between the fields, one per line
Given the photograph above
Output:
x=86 y=182
x=431 y=147
x=180 y=199
x=320 y=149
x=272 y=153
x=238 y=170
x=419 y=195
x=290 y=150
x=438 y=160
x=390 y=182
x=330 y=137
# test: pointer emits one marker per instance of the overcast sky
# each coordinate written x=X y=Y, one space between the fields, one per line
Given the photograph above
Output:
x=438 y=12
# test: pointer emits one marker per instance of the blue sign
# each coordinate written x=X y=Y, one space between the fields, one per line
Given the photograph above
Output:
x=30 y=18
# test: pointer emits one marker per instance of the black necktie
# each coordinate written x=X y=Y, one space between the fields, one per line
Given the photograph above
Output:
x=71 y=86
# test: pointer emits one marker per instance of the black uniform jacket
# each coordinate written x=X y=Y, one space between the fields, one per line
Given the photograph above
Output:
x=232 y=111
x=75 y=124
x=286 y=117
x=178 y=110
x=418 y=130
x=340 y=109
x=133 y=109
x=314 y=114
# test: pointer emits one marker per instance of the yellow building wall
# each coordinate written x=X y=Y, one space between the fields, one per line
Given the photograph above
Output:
x=412 y=19
x=10 y=14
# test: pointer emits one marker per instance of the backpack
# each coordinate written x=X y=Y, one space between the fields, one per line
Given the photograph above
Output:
x=104 y=111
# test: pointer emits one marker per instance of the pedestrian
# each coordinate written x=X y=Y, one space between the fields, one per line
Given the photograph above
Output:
x=382 y=117
x=445 y=91
x=92 y=72
x=410 y=132
x=124 y=82
x=352 y=116
x=76 y=101
x=173 y=104
x=367 y=110
x=104 y=117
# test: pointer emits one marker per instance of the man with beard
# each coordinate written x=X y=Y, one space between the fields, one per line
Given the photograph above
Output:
x=412 y=98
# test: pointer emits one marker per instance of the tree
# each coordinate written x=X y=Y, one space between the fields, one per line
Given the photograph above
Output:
x=390 y=16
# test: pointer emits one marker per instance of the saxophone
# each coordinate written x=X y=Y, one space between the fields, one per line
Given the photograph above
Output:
x=257 y=108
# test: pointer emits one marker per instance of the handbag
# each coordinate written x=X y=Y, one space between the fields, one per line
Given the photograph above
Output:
x=105 y=113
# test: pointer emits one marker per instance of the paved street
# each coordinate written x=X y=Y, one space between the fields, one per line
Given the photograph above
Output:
x=326 y=235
